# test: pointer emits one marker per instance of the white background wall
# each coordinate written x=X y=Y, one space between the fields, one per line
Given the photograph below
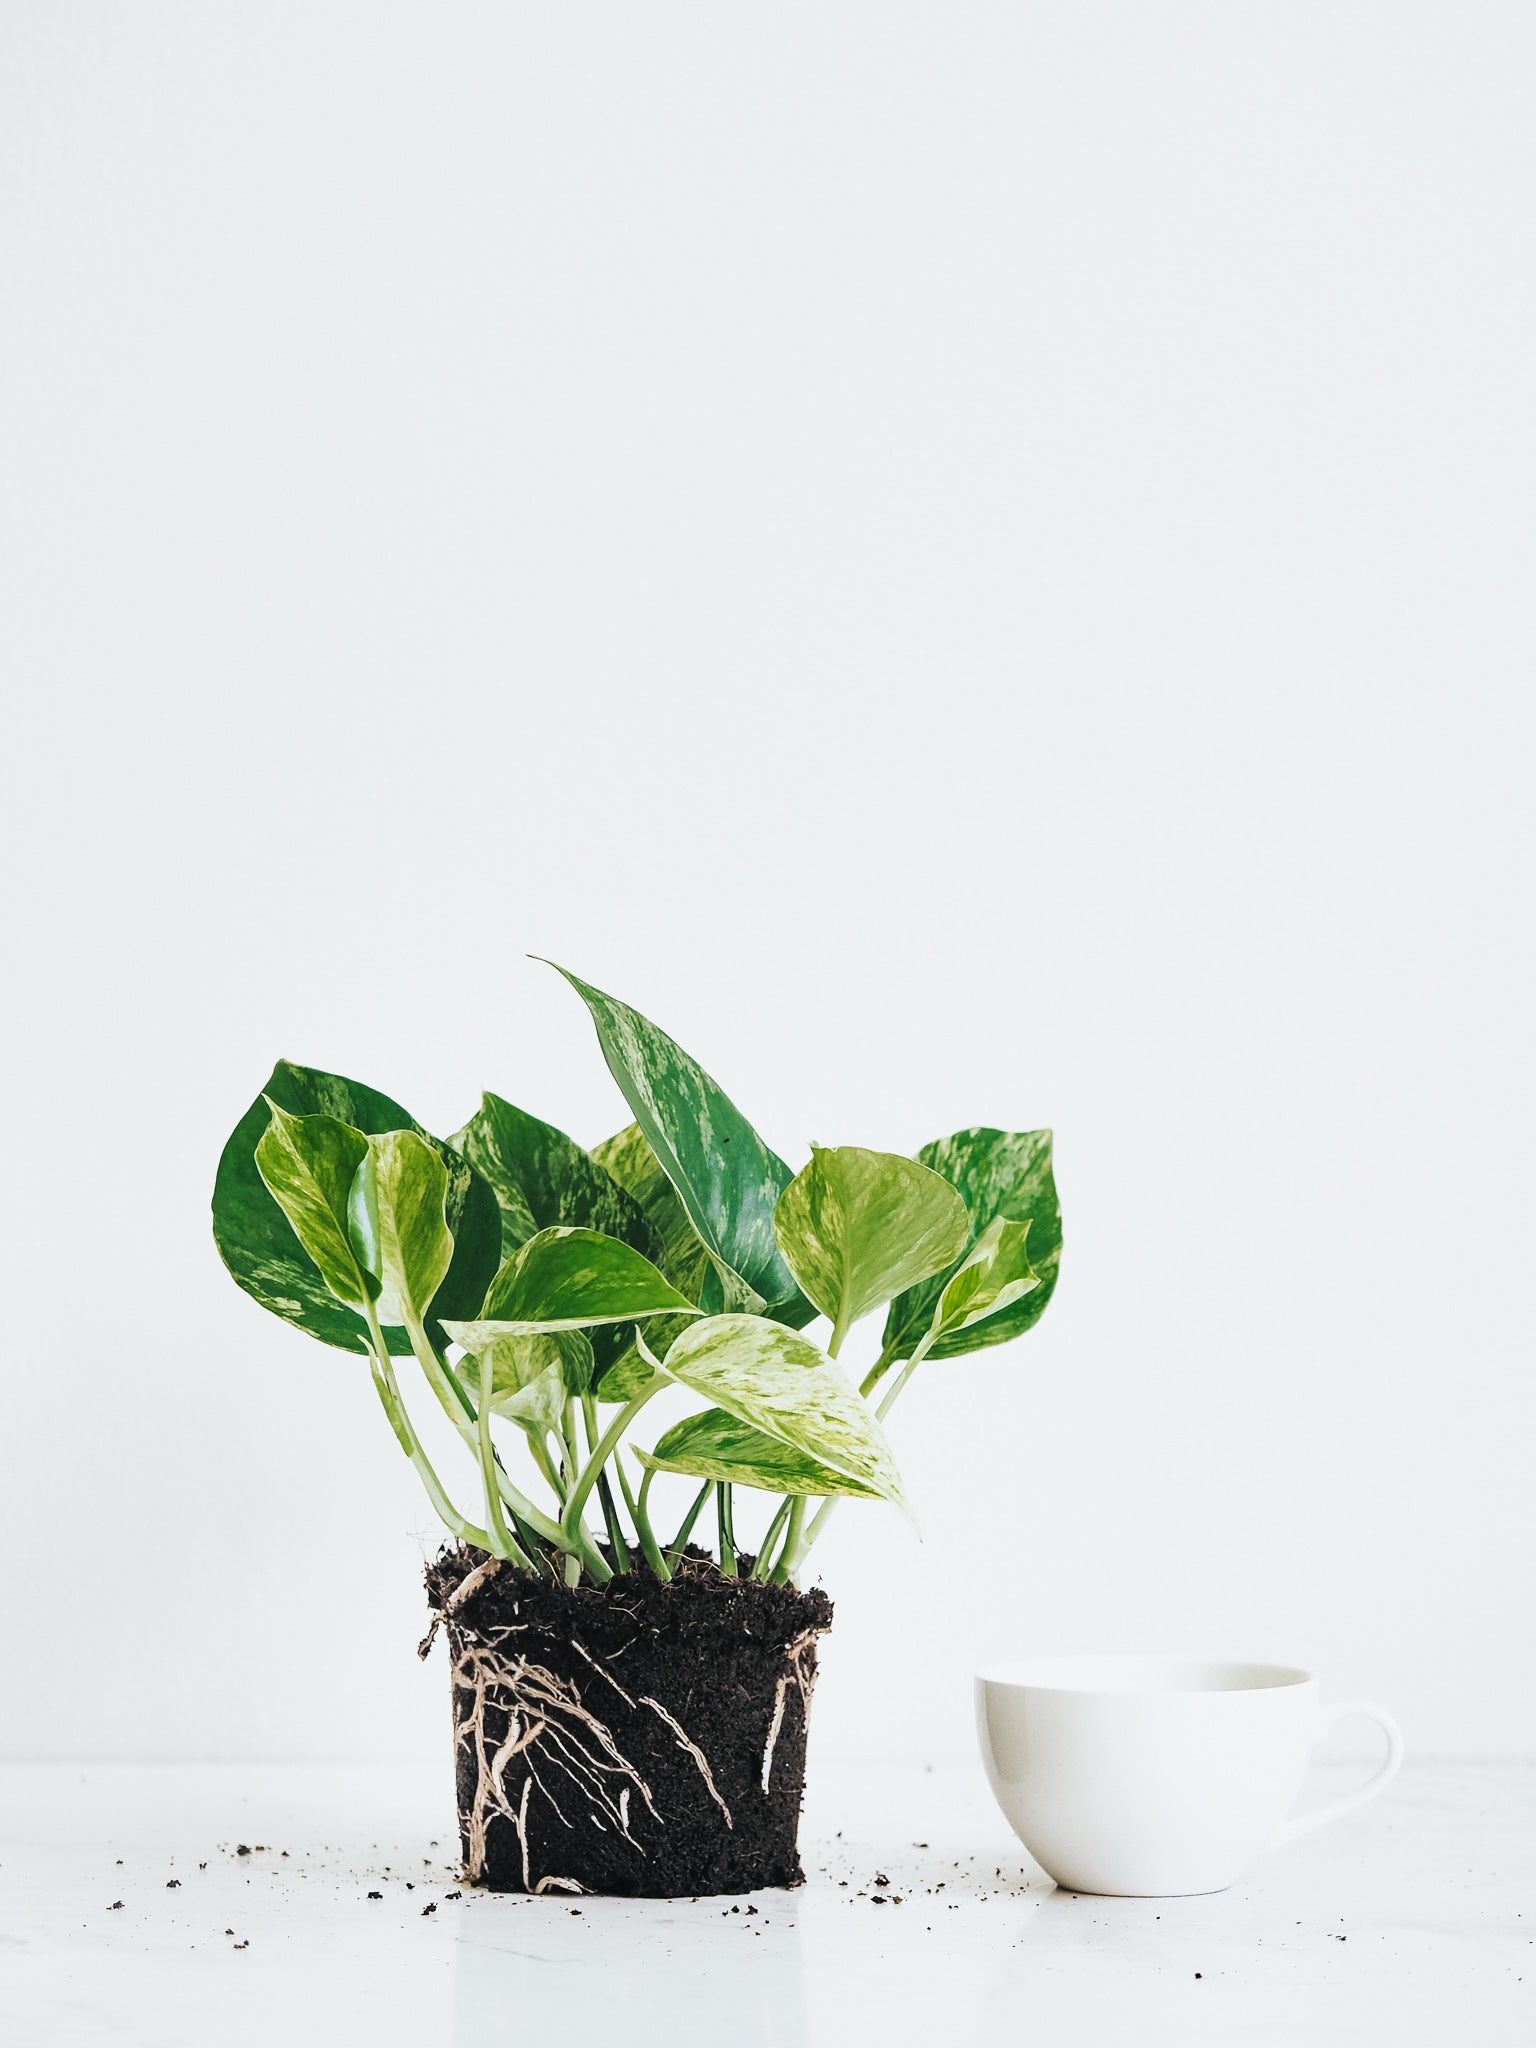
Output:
x=967 y=559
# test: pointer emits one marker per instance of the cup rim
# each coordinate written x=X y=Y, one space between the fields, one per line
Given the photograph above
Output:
x=1141 y=1675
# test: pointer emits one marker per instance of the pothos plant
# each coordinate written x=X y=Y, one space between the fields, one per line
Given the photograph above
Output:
x=547 y=1294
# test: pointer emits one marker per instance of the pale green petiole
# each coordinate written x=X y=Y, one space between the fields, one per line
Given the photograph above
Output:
x=588 y=1476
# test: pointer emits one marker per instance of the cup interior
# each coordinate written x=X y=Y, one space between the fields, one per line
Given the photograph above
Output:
x=1141 y=1675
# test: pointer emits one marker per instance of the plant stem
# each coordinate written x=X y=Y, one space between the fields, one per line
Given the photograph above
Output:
x=507 y=1545
x=764 y=1566
x=600 y=1456
x=727 y=1534
x=389 y=1394
x=876 y=1373
x=621 y=1557
x=650 y=1549
x=675 y=1547
x=794 y=1543
x=460 y=1411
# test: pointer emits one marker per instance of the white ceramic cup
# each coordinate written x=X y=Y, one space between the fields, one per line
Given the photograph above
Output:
x=1155 y=1776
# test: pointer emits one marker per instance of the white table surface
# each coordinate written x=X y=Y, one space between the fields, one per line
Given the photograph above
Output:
x=1411 y=1921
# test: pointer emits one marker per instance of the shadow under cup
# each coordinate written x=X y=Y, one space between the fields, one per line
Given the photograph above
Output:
x=1155 y=1776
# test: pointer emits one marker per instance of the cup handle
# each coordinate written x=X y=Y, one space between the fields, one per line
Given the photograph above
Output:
x=1304 y=1823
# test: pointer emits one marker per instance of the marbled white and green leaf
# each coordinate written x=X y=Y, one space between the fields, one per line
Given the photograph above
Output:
x=716 y=1445
x=256 y=1240
x=780 y=1382
x=998 y=1173
x=729 y=1181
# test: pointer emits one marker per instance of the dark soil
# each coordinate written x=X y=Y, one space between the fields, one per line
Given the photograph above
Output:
x=635 y=1738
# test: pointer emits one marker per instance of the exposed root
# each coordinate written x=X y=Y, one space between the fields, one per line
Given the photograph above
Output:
x=543 y=1714
x=795 y=1655
x=694 y=1751
x=470 y=1583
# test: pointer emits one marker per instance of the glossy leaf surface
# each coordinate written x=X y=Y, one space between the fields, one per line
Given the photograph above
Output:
x=857 y=1227
x=569 y=1280
x=728 y=1180
x=543 y=1180
x=998 y=1173
x=309 y=1164
x=994 y=1275
x=782 y=1383
x=716 y=1445
x=399 y=1219
x=257 y=1242
x=684 y=1261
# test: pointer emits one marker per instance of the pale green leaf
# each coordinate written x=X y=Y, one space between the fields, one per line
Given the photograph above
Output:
x=998 y=1173
x=716 y=1445
x=525 y=1369
x=856 y=1227
x=782 y=1383
x=570 y=1280
x=308 y=1163
x=995 y=1274
x=398 y=1217
x=728 y=1179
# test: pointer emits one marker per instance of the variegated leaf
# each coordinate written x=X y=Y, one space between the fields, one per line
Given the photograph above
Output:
x=856 y=1227
x=728 y=1179
x=683 y=1258
x=570 y=1280
x=258 y=1245
x=525 y=1369
x=309 y=1164
x=716 y=1445
x=398 y=1219
x=999 y=1173
x=544 y=1180
x=782 y=1383
x=994 y=1275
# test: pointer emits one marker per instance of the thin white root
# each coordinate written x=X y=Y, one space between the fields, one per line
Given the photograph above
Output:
x=693 y=1749
x=544 y=1714
x=795 y=1655
x=470 y=1583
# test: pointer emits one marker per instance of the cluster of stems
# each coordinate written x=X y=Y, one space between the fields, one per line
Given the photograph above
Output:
x=575 y=1460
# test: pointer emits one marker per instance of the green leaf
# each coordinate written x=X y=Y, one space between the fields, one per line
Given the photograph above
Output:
x=543 y=1180
x=536 y=1407
x=783 y=1384
x=683 y=1259
x=728 y=1179
x=309 y=1164
x=569 y=1280
x=999 y=1173
x=995 y=1274
x=532 y=1376
x=398 y=1215
x=715 y=1445
x=258 y=1245
x=857 y=1227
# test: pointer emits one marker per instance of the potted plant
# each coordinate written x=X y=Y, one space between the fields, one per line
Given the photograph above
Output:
x=629 y=1712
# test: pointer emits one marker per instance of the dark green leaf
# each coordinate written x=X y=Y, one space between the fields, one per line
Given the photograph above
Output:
x=543 y=1180
x=999 y=1173
x=259 y=1247
x=728 y=1179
